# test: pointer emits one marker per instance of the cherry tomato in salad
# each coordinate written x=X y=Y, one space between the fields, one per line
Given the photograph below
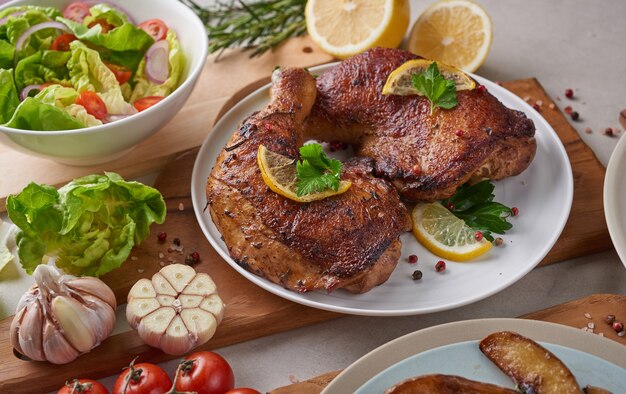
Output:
x=76 y=11
x=142 y=378
x=243 y=390
x=93 y=104
x=83 y=386
x=156 y=28
x=106 y=26
x=205 y=373
x=122 y=74
x=146 y=102
x=62 y=43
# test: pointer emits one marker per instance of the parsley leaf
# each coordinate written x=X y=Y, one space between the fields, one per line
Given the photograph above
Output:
x=316 y=172
x=474 y=204
x=440 y=91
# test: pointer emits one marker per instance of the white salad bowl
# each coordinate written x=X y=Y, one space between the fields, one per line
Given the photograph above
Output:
x=100 y=144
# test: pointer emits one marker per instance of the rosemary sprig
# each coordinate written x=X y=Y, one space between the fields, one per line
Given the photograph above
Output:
x=251 y=25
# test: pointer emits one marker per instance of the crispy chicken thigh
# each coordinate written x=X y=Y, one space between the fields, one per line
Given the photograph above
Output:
x=426 y=156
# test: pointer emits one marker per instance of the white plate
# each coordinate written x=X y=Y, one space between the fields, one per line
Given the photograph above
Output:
x=614 y=192
x=453 y=349
x=543 y=194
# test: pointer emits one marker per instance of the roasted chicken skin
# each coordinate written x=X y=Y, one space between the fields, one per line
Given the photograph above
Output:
x=426 y=156
x=347 y=241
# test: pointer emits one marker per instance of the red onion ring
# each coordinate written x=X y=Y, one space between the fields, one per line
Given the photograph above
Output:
x=157 y=62
x=33 y=29
x=14 y=15
x=28 y=89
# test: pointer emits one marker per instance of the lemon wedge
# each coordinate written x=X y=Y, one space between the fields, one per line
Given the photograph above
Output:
x=456 y=32
x=400 y=82
x=445 y=235
x=344 y=28
x=280 y=174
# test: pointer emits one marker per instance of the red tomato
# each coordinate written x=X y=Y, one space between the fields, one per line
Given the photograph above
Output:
x=62 y=43
x=76 y=12
x=106 y=26
x=83 y=386
x=122 y=74
x=156 y=28
x=143 y=378
x=93 y=104
x=147 y=102
x=205 y=373
x=242 y=390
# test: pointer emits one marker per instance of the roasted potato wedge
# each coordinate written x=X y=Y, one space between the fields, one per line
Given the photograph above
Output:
x=446 y=384
x=531 y=366
x=595 y=390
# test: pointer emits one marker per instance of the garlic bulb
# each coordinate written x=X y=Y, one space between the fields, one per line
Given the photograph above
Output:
x=62 y=316
x=177 y=310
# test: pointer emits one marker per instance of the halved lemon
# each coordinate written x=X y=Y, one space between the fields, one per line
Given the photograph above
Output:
x=280 y=174
x=445 y=235
x=400 y=82
x=346 y=27
x=456 y=32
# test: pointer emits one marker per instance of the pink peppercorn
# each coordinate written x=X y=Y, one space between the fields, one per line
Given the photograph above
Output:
x=618 y=326
x=482 y=88
x=440 y=266
x=412 y=259
x=459 y=133
x=478 y=236
x=514 y=211
x=568 y=110
x=569 y=93
x=162 y=236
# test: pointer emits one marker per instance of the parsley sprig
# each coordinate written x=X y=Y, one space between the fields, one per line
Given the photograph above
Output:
x=474 y=204
x=440 y=91
x=316 y=172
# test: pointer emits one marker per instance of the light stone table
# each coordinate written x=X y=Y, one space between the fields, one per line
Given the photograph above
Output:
x=574 y=44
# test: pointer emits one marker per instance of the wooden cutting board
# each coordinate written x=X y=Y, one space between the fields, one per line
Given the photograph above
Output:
x=570 y=314
x=252 y=312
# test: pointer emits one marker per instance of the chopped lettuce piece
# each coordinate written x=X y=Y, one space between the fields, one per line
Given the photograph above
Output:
x=32 y=114
x=144 y=88
x=80 y=113
x=106 y=12
x=8 y=92
x=64 y=98
x=41 y=67
x=88 y=72
x=89 y=225
x=7 y=53
x=17 y=24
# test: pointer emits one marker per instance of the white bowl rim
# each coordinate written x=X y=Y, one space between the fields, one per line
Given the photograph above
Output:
x=193 y=74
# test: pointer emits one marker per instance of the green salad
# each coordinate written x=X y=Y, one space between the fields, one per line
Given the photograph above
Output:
x=84 y=66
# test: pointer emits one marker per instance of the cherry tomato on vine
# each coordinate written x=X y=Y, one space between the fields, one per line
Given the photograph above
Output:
x=242 y=390
x=156 y=28
x=83 y=386
x=142 y=378
x=205 y=373
x=76 y=11
x=93 y=104
x=62 y=42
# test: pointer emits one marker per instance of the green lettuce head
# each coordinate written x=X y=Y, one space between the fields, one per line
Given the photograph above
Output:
x=89 y=225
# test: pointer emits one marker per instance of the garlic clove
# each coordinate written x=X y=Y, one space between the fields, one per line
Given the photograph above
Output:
x=214 y=305
x=178 y=275
x=142 y=289
x=152 y=327
x=14 y=331
x=201 y=285
x=94 y=287
x=190 y=301
x=104 y=314
x=162 y=286
x=138 y=308
x=166 y=300
x=56 y=348
x=30 y=335
x=77 y=322
x=201 y=323
x=177 y=340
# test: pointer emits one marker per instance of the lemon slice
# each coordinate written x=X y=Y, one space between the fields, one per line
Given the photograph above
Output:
x=346 y=27
x=445 y=235
x=456 y=32
x=280 y=174
x=400 y=82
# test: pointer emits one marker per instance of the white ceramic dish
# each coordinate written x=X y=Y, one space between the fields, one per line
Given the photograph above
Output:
x=614 y=192
x=104 y=143
x=453 y=349
x=543 y=194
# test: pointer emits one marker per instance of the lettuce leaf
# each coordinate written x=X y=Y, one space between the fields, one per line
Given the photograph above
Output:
x=16 y=25
x=41 y=67
x=89 y=225
x=64 y=98
x=106 y=12
x=144 y=88
x=88 y=72
x=8 y=92
x=7 y=53
x=32 y=114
